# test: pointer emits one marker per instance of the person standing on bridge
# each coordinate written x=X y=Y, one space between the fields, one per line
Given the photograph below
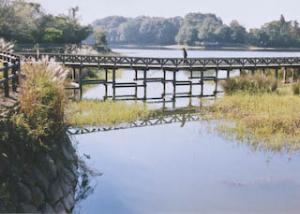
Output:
x=185 y=55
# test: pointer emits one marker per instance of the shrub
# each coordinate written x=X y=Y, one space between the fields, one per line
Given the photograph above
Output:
x=42 y=98
x=251 y=84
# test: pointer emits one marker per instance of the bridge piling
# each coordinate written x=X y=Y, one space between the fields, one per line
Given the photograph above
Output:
x=164 y=83
x=202 y=84
x=114 y=83
x=145 y=84
x=216 y=81
x=174 y=84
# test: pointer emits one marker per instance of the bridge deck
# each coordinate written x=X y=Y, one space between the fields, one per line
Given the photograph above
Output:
x=122 y=62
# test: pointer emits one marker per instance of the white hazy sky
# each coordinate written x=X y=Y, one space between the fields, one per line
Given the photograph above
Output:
x=251 y=13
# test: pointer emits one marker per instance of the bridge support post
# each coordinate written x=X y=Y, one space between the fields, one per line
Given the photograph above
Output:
x=228 y=74
x=74 y=74
x=216 y=82
x=136 y=74
x=284 y=75
x=174 y=84
x=164 y=84
x=202 y=84
x=80 y=82
x=106 y=84
x=145 y=84
x=114 y=83
x=253 y=71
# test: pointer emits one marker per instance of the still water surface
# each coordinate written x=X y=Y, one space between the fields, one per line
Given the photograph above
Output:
x=186 y=168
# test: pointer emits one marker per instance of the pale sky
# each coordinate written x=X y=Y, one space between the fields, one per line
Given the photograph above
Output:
x=250 y=13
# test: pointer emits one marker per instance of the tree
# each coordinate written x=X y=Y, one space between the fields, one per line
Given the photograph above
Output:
x=238 y=33
x=100 y=37
x=27 y=23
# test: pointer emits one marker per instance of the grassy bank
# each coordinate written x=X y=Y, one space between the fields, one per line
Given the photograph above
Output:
x=93 y=112
x=259 y=115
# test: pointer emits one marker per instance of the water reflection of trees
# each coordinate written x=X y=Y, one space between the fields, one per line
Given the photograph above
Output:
x=85 y=187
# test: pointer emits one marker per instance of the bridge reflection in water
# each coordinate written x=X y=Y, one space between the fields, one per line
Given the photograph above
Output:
x=158 y=117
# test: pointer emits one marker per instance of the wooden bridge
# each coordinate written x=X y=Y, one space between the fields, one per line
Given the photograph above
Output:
x=140 y=67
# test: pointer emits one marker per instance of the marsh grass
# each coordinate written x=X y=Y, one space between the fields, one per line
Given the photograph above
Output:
x=251 y=84
x=268 y=121
x=94 y=112
x=296 y=88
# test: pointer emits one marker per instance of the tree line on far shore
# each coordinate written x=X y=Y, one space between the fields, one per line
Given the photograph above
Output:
x=197 y=29
x=25 y=22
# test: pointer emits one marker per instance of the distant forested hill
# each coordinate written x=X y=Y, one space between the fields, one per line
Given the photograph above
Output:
x=140 y=30
x=197 y=29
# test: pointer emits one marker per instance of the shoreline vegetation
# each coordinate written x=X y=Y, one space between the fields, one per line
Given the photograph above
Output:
x=259 y=114
x=94 y=112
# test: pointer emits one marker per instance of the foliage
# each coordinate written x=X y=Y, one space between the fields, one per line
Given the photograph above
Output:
x=197 y=29
x=42 y=99
x=100 y=38
x=26 y=22
x=252 y=84
x=140 y=30
x=267 y=121
x=93 y=112
x=280 y=33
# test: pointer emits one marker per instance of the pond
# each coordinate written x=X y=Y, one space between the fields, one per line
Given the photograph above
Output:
x=185 y=167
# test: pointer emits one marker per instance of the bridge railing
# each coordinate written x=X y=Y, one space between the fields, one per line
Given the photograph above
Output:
x=147 y=62
x=9 y=72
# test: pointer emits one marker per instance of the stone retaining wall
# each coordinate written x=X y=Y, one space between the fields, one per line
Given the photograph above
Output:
x=47 y=185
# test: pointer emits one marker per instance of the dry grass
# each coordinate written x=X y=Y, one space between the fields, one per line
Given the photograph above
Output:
x=268 y=121
x=93 y=112
x=6 y=46
x=251 y=84
x=42 y=97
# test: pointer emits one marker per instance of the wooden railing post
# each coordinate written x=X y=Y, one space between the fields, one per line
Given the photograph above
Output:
x=14 y=78
x=6 y=79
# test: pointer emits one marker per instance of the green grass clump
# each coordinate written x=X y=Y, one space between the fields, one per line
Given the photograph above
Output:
x=251 y=84
x=296 y=88
x=268 y=121
x=93 y=112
